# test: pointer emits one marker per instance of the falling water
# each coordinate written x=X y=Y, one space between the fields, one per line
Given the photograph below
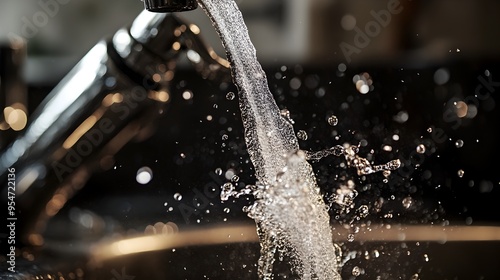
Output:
x=289 y=210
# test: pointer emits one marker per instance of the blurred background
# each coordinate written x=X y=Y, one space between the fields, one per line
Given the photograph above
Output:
x=282 y=30
x=396 y=74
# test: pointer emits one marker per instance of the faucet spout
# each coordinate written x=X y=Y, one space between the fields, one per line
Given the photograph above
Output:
x=167 y=6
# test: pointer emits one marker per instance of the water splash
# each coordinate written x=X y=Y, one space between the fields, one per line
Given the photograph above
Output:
x=289 y=210
x=362 y=165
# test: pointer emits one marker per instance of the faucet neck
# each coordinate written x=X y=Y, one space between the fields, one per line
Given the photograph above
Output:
x=157 y=40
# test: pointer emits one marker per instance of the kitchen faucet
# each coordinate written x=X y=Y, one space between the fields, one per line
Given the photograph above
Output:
x=113 y=94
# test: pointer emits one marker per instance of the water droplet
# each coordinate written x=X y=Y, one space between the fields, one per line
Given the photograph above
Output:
x=229 y=173
x=295 y=83
x=227 y=210
x=363 y=211
x=227 y=191
x=187 y=95
x=407 y=202
x=144 y=175
x=218 y=171
x=420 y=149
x=165 y=204
x=414 y=276
x=401 y=117
x=342 y=67
x=350 y=237
x=429 y=129
x=235 y=179
x=356 y=271
x=386 y=173
x=230 y=95
x=426 y=257
x=225 y=137
x=286 y=115
x=387 y=148
x=376 y=253
x=178 y=196
x=459 y=143
x=394 y=164
x=460 y=173
x=363 y=82
x=441 y=76
x=333 y=120
x=302 y=135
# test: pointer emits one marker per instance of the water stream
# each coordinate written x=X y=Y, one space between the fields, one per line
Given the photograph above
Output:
x=289 y=210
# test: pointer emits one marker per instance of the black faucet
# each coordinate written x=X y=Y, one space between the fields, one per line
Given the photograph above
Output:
x=166 y=6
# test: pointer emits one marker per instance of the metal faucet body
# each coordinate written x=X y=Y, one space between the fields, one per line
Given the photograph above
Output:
x=116 y=91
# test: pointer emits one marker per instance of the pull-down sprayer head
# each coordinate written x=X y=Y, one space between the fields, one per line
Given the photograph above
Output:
x=167 y=6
